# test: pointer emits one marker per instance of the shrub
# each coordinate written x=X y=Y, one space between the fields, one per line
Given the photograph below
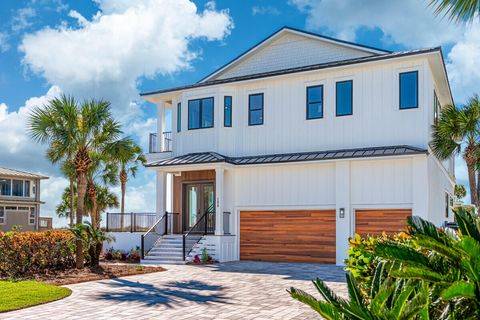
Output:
x=24 y=254
x=134 y=255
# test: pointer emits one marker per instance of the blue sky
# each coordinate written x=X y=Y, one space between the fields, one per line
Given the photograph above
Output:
x=114 y=49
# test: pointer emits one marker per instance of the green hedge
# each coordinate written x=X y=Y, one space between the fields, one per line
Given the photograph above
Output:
x=23 y=254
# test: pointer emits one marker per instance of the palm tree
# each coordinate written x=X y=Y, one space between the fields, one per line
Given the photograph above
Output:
x=78 y=130
x=128 y=155
x=69 y=170
x=64 y=208
x=457 y=129
x=457 y=10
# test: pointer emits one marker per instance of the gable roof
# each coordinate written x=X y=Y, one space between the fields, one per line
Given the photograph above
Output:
x=341 y=63
x=284 y=30
x=213 y=157
x=20 y=174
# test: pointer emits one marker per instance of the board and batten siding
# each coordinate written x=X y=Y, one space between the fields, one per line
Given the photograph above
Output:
x=376 y=119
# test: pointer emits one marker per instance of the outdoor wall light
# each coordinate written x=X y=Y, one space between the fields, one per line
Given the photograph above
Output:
x=342 y=212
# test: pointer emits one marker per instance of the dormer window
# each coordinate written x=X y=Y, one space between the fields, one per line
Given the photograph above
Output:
x=200 y=113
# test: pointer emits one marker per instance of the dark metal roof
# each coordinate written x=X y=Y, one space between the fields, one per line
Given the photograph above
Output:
x=297 y=69
x=212 y=157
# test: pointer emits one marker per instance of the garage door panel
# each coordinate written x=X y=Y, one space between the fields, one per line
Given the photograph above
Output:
x=297 y=236
x=375 y=222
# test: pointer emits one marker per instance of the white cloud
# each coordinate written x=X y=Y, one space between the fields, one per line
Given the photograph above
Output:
x=462 y=64
x=51 y=192
x=18 y=149
x=261 y=10
x=126 y=41
x=408 y=22
x=22 y=18
x=4 y=45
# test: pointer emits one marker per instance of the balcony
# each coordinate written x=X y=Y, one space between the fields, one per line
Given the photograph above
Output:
x=160 y=144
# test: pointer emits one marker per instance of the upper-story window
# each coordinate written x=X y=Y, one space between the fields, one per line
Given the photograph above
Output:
x=315 y=102
x=200 y=113
x=17 y=188
x=27 y=188
x=179 y=117
x=408 y=91
x=5 y=187
x=255 y=109
x=436 y=108
x=344 y=98
x=227 y=111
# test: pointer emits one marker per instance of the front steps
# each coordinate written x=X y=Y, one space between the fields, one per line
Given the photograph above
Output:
x=169 y=250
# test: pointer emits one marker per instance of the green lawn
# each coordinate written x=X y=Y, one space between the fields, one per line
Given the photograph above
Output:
x=21 y=294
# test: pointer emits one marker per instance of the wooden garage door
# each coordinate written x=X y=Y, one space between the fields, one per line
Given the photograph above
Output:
x=297 y=236
x=374 y=222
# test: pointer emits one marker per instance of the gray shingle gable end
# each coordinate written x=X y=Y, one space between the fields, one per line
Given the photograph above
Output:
x=299 y=69
x=247 y=52
x=213 y=157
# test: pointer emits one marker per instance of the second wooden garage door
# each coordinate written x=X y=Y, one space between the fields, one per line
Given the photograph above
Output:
x=296 y=236
x=374 y=222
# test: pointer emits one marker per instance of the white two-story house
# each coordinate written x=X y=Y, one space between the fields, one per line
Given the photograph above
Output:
x=296 y=145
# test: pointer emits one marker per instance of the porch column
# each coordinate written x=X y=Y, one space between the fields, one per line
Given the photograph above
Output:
x=160 y=125
x=219 y=177
x=161 y=193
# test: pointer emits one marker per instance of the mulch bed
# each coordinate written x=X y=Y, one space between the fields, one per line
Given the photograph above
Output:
x=104 y=271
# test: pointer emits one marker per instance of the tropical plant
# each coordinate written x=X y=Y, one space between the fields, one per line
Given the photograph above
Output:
x=64 y=208
x=105 y=199
x=68 y=170
x=458 y=129
x=388 y=299
x=128 y=155
x=457 y=10
x=460 y=192
x=434 y=275
x=93 y=239
x=78 y=130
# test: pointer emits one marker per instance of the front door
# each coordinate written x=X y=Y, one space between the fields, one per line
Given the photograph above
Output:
x=199 y=198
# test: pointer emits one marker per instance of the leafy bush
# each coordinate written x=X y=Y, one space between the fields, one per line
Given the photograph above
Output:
x=132 y=256
x=93 y=239
x=432 y=274
x=27 y=253
x=362 y=259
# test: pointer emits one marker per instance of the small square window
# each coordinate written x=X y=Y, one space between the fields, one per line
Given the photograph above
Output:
x=408 y=91
x=344 y=98
x=315 y=102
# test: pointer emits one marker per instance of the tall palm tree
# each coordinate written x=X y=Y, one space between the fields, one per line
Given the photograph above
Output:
x=457 y=130
x=64 y=208
x=79 y=130
x=128 y=155
x=457 y=10
x=68 y=170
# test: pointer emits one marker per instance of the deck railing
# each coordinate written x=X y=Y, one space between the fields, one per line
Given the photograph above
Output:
x=130 y=222
x=160 y=144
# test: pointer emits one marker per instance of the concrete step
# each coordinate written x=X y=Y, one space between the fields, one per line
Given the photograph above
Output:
x=160 y=262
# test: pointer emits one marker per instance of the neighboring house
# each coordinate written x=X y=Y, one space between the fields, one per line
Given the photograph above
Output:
x=298 y=144
x=20 y=200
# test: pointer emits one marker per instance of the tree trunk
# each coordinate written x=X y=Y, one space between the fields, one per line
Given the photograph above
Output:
x=72 y=198
x=123 y=183
x=470 y=157
x=81 y=189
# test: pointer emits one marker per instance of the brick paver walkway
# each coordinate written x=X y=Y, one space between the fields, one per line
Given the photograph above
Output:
x=236 y=290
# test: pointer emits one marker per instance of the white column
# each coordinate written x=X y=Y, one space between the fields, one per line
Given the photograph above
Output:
x=342 y=200
x=161 y=193
x=160 y=125
x=420 y=198
x=219 y=177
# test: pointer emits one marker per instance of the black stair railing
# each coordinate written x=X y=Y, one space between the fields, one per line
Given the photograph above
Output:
x=152 y=235
x=205 y=225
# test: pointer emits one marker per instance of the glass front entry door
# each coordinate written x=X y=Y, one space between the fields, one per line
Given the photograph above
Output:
x=199 y=198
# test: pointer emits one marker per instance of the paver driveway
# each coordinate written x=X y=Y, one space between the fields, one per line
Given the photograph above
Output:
x=236 y=290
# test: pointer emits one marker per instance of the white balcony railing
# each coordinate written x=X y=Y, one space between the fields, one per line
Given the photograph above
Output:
x=160 y=144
